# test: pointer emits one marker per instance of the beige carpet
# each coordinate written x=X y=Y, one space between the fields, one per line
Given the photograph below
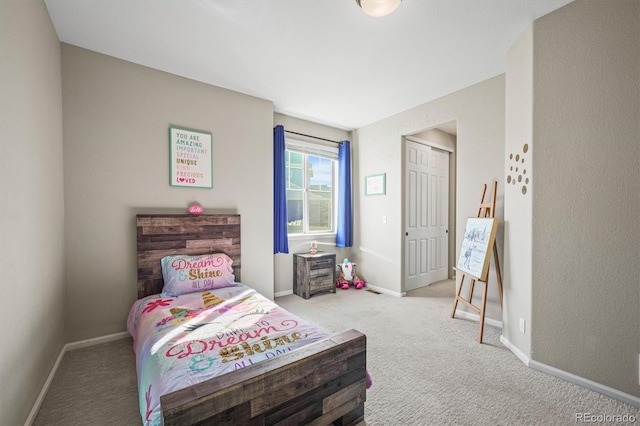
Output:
x=427 y=369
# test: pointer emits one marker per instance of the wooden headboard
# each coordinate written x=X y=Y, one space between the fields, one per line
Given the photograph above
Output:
x=164 y=235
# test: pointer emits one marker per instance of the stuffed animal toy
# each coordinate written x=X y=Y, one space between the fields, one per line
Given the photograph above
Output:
x=348 y=276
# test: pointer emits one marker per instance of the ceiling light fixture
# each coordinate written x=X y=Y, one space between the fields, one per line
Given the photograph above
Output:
x=378 y=8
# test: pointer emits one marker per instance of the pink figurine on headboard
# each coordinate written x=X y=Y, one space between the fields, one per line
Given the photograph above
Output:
x=195 y=209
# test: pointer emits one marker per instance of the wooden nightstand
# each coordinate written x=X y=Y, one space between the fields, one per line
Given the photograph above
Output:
x=313 y=273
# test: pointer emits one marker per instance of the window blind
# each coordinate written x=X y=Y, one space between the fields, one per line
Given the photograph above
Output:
x=317 y=149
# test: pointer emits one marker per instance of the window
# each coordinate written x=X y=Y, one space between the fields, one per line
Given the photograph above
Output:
x=311 y=187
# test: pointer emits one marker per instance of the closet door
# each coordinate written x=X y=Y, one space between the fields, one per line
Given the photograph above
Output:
x=427 y=215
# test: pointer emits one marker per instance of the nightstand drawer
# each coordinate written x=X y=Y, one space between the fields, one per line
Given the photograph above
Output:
x=323 y=271
x=319 y=282
x=323 y=263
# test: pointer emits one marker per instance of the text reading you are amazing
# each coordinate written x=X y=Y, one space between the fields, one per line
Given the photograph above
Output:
x=188 y=140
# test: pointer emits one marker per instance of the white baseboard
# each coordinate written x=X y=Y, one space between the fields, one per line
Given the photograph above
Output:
x=475 y=317
x=517 y=352
x=571 y=378
x=372 y=287
x=384 y=290
x=45 y=389
x=68 y=347
x=95 y=341
x=586 y=383
x=282 y=293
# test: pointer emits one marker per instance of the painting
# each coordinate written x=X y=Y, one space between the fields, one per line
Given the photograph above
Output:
x=375 y=184
x=477 y=245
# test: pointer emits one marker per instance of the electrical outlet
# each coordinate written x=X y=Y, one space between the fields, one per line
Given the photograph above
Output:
x=384 y=220
x=522 y=325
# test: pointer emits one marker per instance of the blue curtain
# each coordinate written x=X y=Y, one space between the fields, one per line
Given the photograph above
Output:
x=280 y=238
x=344 y=236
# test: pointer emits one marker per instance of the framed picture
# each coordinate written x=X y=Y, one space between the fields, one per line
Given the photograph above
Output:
x=477 y=245
x=375 y=184
x=190 y=158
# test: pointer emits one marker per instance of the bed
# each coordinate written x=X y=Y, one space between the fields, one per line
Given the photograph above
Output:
x=224 y=354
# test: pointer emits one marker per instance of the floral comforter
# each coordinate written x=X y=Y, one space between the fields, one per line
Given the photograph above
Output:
x=183 y=340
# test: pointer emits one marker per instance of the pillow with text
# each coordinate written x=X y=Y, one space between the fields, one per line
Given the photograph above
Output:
x=188 y=274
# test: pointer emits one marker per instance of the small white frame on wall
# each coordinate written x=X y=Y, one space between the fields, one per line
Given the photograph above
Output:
x=375 y=184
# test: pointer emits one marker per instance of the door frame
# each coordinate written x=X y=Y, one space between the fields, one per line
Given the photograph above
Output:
x=452 y=203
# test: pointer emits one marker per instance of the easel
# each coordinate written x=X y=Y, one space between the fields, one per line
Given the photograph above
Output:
x=485 y=210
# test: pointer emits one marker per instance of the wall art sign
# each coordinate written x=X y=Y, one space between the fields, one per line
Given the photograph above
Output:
x=190 y=158
x=375 y=184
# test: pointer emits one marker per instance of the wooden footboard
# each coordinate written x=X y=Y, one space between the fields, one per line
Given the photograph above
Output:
x=318 y=384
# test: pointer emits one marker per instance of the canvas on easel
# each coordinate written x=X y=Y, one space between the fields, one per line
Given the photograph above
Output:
x=477 y=244
x=479 y=238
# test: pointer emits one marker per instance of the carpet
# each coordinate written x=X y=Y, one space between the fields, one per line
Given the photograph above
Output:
x=427 y=369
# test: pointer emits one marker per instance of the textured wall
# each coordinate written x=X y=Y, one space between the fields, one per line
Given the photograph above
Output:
x=479 y=113
x=31 y=206
x=116 y=151
x=586 y=211
x=519 y=191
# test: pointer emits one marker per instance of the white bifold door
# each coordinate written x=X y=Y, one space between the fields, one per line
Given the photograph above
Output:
x=427 y=215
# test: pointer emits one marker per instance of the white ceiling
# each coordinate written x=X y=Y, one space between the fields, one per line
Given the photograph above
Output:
x=321 y=60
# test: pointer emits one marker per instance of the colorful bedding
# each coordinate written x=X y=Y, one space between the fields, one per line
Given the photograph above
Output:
x=183 y=340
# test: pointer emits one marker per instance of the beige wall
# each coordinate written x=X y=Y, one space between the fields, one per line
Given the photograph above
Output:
x=31 y=206
x=283 y=263
x=586 y=211
x=479 y=112
x=518 y=205
x=572 y=242
x=116 y=152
